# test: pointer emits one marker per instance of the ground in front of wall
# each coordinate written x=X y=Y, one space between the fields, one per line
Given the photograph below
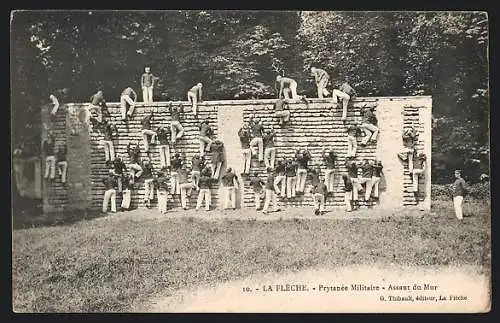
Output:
x=124 y=261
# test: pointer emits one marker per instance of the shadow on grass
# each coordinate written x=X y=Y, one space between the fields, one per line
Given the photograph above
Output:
x=28 y=214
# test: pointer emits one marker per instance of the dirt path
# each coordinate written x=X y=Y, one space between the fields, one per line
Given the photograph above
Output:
x=231 y=297
x=252 y=215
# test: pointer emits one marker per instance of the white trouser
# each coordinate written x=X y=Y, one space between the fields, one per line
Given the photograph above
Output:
x=257 y=196
x=109 y=195
x=260 y=143
x=109 y=150
x=164 y=151
x=371 y=132
x=319 y=201
x=193 y=99
x=185 y=192
x=345 y=101
x=284 y=115
x=124 y=100
x=174 y=183
x=290 y=186
x=229 y=197
x=352 y=146
x=269 y=157
x=356 y=186
x=330 y=179
x=301 y=179
x=291 y=92
x=145 y=134
x=62 y=167
x=50 y=167
x=176 y=130
x=162 y=200
x=407 y=154
x=247 y=155
x=135 y=171
x=322 y=91
x=366 y=181
x=126 y=197
x=147 y=94
x=195 y=177
x=205 y=144
x=216 y=172
x=204 y=195
x=149 y=188
x=270 y=198
x=348 y=200
x=457 y=205
x=280 y=179
x=415 y=173
x=374 y=186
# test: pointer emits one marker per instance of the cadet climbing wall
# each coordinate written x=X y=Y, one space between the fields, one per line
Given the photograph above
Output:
x=315 y=125
x=54 y=192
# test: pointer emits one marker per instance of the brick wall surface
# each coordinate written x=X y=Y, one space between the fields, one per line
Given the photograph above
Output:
x=187 y=146
x=314 y=126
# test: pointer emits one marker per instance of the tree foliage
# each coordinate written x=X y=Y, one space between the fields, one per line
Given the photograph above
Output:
x=443 y=54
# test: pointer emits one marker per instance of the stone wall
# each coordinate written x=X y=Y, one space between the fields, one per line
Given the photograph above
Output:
x=314 y=126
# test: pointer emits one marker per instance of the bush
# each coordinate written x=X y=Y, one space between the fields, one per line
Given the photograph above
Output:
x=479 y=191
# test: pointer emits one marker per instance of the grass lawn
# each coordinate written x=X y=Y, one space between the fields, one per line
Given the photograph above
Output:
x=100 y=266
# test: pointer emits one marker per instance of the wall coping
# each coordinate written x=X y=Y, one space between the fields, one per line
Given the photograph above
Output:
x=268 y=101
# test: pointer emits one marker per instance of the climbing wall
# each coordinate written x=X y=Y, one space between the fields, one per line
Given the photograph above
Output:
x=55 y=193
x=314 y=125
x=416 y=116
x=187 y=146
x=317 y=125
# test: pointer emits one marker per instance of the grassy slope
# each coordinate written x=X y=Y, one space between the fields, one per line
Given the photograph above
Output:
x=95 y=266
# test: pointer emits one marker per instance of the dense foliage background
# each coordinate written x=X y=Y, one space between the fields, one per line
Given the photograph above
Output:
x=443 y=54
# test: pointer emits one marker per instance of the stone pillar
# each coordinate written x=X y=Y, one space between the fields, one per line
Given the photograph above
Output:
x=425 y=115
x=390 y=121
x=230 y=119
x=78 y=176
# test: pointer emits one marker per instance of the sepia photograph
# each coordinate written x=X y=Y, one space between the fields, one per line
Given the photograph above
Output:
x=250 y=161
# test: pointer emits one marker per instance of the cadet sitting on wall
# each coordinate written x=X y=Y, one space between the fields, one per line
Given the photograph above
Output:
x=287 y=88
x=321 y=78
x=194 y=96
x=345 y=92
x=128 y=97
